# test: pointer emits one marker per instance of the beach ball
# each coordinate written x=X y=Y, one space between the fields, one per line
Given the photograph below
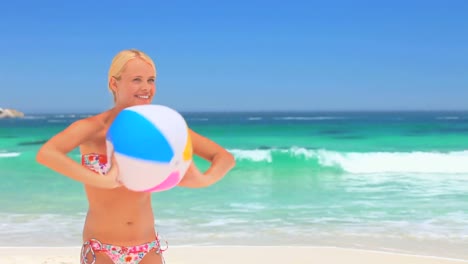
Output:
x=152 y=147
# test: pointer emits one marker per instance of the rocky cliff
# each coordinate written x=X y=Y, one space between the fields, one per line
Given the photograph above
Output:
x=10 y=113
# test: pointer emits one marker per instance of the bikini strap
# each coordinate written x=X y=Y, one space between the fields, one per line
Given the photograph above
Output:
x=89 y=247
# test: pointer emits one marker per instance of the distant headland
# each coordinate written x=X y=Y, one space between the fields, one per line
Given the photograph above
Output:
x=10 y=113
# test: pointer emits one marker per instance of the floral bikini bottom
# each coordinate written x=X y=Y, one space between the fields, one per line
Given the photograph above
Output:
x=119 y=254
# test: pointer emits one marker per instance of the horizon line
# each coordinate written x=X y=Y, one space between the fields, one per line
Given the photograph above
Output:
x=268 y=111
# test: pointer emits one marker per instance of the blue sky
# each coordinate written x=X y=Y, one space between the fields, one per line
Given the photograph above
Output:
x=239 y=55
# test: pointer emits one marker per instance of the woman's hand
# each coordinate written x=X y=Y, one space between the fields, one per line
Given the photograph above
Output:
x=221 y=161
x=193 y=177
x=111 y=179
x=193 y=171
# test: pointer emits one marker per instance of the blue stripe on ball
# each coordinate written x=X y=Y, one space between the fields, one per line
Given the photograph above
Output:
x=135 y=136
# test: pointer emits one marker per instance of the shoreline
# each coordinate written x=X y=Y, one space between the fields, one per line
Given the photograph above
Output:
x=224 y=254
x=438 y=248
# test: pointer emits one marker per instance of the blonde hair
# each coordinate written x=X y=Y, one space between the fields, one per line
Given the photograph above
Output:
x=120 y=61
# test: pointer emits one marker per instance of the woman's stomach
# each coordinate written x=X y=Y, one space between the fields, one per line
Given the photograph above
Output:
x=119 y=217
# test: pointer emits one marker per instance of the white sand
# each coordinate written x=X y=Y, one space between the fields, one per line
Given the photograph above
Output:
x=230 y=255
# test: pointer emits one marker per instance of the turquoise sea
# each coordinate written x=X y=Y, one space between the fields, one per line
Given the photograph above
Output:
x=394 y=181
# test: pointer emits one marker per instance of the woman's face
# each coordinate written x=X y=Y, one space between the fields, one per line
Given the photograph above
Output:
x=136 y=85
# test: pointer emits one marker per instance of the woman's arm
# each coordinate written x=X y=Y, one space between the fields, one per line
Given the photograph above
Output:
x=221 y=162
x=53 y=154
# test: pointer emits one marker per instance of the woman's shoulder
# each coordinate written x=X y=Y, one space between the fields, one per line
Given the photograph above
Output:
x=97 y=125
x=91 y=123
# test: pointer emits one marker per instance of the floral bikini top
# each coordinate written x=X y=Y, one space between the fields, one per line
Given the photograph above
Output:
x=95 y=162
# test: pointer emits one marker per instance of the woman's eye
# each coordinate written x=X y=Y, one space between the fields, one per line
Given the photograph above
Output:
x=151 y=80
x=137 y=80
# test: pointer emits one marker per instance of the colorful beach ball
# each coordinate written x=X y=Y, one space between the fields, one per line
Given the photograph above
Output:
x=152 y=147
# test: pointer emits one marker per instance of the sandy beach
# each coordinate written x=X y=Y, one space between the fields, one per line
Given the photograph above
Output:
x=230 y=254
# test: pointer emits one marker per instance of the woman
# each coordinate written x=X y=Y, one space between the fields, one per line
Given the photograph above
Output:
x=119 y=226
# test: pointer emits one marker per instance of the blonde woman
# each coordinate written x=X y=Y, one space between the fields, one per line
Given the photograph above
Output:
x=119 y=226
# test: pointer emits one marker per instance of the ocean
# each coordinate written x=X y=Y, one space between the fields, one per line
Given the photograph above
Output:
x=393 y=181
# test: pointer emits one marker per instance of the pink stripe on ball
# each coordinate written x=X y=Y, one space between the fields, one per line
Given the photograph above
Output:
x=171 y=181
